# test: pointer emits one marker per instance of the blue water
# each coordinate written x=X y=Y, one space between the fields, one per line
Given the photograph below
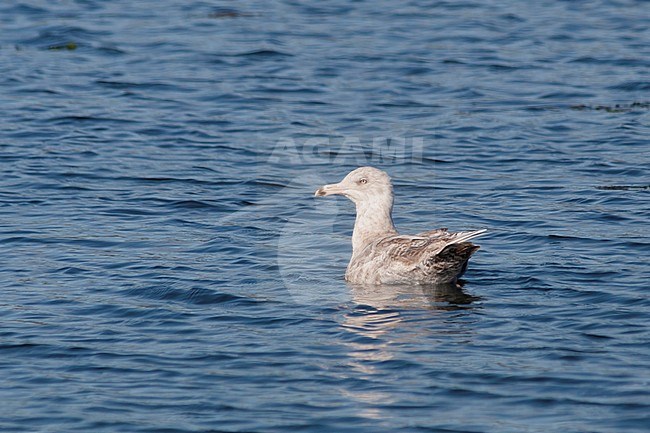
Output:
x=164 y=266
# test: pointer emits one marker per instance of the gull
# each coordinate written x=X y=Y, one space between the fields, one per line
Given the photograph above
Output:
x=382 y=256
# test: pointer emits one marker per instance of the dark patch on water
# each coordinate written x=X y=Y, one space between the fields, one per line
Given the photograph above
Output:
x=615 y=108
x=624 y=187
x=228 y=13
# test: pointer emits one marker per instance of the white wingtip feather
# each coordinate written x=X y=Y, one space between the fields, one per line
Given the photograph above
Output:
x=466 y=236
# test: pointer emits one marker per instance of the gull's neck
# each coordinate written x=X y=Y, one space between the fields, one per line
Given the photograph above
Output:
x=373 y=221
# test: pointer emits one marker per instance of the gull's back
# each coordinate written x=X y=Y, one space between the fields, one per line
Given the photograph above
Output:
x=432 y=257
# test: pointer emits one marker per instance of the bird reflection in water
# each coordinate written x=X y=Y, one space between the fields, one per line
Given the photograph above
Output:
x=384 y=319
x=447 y=297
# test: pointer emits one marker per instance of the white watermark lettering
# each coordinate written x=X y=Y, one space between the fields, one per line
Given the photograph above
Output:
x=348 y=149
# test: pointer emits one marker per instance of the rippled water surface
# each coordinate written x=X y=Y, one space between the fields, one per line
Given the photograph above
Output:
x=165 y=268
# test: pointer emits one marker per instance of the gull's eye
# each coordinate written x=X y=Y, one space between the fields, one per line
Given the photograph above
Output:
x=363 y=181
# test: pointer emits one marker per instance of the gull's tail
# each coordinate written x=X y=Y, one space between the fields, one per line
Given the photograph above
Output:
x=451 y=260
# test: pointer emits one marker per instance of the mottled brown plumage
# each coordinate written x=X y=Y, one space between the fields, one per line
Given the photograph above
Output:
x=380 y=255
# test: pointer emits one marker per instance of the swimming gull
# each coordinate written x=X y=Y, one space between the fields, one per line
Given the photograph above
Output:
x=379 y=254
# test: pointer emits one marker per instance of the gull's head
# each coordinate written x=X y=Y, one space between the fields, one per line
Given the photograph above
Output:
x=365 y=184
